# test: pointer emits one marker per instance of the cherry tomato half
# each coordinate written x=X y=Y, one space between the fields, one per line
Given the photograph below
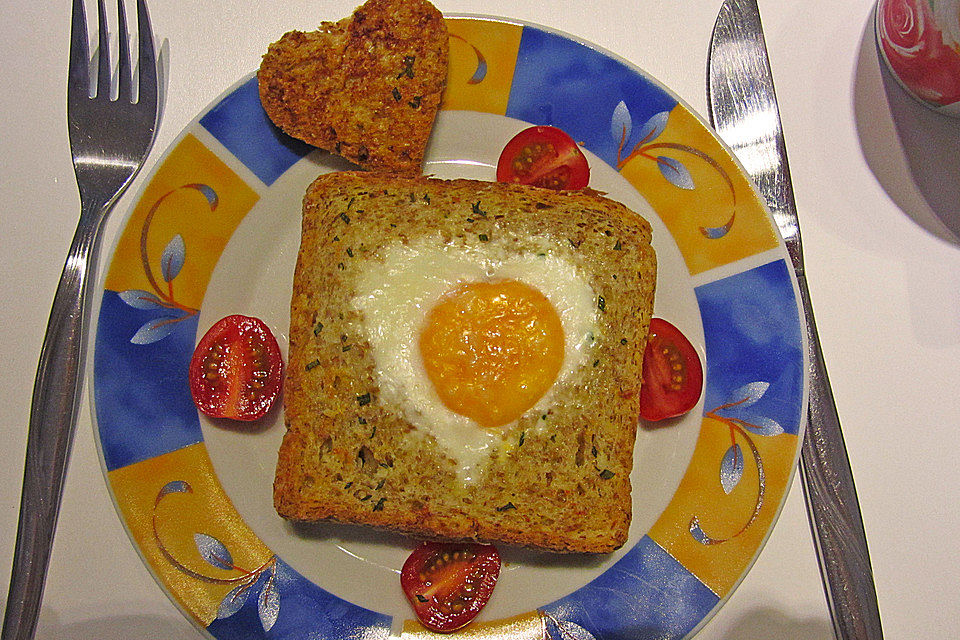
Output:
x=236 y=369
x=672 y=374
x=449 y=583
x=543 y=157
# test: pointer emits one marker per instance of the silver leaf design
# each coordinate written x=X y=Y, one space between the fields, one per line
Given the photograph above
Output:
x=748 y=394
x=761 y=426
x=140 y=299
x=174 y=486
x=153 y=330
x=697 y=532
x=715 y=233
x=572 y=631
x=213 y=551
x=653 y=127
x=173 y=257
x=621 y=124
x=212 y=198
x=233 y=601
x=268 y=604
x=731 y=468
x=675 y=172
x=481 y=71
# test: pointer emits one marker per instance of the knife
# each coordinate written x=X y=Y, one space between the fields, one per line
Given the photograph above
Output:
x=744 y=112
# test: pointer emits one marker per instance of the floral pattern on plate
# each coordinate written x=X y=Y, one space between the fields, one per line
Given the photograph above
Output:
x=669 y=579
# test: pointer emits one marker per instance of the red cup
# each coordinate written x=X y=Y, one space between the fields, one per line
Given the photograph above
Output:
x=920 y=42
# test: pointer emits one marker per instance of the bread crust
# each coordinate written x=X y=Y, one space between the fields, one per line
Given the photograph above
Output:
x=561 y=480
x=367 y=88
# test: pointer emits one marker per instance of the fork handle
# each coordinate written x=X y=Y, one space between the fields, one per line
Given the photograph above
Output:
x=53 y=413
x=832 y=503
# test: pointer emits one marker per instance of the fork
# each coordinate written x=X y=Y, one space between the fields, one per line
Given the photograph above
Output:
x=109 y=141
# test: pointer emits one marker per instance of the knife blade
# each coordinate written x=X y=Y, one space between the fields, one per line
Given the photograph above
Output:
x=744 y=112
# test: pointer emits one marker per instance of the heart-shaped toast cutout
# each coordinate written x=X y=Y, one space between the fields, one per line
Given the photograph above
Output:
x=366 y=88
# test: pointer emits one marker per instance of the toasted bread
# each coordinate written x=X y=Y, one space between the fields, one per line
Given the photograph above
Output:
x=560 y=477
x=366 y=88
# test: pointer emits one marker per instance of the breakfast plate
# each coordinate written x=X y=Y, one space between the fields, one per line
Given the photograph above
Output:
x=215 y=231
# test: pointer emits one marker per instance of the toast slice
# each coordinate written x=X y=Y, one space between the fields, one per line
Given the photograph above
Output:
x=366 y=88
x=559 y=477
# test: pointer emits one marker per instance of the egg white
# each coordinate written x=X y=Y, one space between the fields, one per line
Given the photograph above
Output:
x=395 y=295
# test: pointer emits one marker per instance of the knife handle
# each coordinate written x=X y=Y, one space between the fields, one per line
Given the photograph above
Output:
x=832 y=503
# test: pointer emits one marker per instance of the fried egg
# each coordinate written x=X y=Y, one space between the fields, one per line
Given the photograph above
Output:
x=467 y=338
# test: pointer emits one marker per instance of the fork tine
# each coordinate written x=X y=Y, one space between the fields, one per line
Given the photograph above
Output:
x=124 y=70
x=79 y=72
x=148 y=58
x=103 y=51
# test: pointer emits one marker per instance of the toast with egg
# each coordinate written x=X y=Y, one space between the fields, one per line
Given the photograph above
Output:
x=365 y=440
x=366 y=88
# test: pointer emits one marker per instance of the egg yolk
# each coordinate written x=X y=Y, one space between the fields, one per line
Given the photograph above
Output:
x=492 y=349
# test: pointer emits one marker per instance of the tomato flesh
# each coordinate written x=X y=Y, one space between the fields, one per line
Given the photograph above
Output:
x=236 y=370
x=449 y=583
x=545 y=157
x=672 y=373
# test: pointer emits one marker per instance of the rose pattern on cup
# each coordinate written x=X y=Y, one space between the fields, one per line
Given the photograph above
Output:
x=920 y=40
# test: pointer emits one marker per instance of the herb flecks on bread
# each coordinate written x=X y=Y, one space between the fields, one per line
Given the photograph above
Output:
x=557 y=478
x=366 y=88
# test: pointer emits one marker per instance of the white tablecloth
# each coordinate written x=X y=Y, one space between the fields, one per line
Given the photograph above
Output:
x=876 y=184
